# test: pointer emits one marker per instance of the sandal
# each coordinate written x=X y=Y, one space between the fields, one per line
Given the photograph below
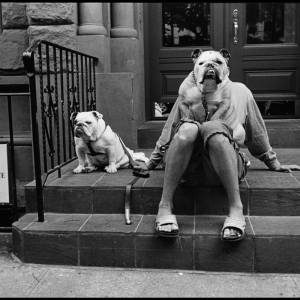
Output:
x=233 y=223
x=166 y=220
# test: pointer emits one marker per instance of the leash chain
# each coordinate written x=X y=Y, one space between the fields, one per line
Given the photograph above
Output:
x=204 y=102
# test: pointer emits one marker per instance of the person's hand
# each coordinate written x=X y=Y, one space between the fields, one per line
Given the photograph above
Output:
x=287 y=168
x=141 y=166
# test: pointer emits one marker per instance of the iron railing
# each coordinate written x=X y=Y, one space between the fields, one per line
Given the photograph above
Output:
x=61 y=81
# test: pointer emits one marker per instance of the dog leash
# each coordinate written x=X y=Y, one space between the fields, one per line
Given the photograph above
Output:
x=204 y=102
x=138 y=174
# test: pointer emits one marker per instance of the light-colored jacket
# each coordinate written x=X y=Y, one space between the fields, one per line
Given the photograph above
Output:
x=256 y=137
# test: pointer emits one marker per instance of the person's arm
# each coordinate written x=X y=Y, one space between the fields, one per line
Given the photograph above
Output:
x=257 y=139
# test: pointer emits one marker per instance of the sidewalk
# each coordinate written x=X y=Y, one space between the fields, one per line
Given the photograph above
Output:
x=31 y=280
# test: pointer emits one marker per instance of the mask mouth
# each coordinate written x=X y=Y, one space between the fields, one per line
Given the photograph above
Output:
x=211 y=74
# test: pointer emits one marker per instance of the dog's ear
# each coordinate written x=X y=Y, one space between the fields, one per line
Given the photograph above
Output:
x=73 y=116
x=225 y=53
x=195 y=54
x=97 y=115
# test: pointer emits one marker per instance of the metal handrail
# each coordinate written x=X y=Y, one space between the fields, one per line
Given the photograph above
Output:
x=52 y=115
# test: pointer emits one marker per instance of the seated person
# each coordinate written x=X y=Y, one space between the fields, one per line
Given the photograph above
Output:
x=200 y=142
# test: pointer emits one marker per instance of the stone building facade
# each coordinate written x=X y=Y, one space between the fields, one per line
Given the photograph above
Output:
x=113 y=32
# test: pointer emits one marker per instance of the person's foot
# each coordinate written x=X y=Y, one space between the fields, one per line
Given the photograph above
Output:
x=164 y=211
x=233 y=232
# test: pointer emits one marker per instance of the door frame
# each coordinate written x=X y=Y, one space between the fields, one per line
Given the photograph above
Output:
x=221 y=37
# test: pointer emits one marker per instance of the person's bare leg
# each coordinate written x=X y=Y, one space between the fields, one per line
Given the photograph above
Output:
x=224 y=161
x=179 y=154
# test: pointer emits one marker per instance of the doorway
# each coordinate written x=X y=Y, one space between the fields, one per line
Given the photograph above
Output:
x=262 y=38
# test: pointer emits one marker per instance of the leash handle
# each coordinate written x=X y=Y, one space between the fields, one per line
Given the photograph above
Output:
x=141 y=173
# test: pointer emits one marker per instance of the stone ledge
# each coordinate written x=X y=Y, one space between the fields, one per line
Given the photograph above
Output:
x=271 y=243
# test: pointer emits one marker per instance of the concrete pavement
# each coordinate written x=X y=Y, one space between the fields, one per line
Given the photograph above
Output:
x=31 y=280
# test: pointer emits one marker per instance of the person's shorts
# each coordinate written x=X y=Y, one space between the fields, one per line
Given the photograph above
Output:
x=200 y=170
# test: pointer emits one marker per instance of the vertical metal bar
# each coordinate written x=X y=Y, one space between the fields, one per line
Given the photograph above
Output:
x=82 y=83
x=73 y=100
x=91 y=85
x=62 y=104
x=43 y=118
x=87 y=85
x=56 y=111
x=68 y=104
x=35 y=143
x=94 y=75
x=77 y=82
x=49 y=107
x=12 y=155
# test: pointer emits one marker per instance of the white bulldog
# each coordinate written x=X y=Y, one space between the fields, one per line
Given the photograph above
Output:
x=208 y=85
x=96 y=144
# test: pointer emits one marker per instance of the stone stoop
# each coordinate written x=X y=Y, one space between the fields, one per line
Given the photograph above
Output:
x=85 y=224
x=271 y=244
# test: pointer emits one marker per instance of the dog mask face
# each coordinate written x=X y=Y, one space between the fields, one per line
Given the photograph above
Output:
x=210 y=65
x=86 y=124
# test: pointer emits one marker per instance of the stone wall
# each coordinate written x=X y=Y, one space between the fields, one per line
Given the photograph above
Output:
x=14 y=38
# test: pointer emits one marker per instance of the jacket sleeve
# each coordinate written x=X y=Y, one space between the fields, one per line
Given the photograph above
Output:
x=256 y=139
x=165 y=137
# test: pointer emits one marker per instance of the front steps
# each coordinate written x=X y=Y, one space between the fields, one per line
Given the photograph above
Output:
x=85 y=225
x=271 y=244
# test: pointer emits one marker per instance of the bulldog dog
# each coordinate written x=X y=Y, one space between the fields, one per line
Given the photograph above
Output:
x=205 y=94
x=96 y=144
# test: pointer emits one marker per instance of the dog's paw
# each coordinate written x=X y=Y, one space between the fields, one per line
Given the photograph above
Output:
x=111 y=169
x=79 y=170
x=91 y=168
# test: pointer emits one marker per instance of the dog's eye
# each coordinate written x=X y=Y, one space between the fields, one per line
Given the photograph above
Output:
x=201 y=63
x=219 y=62
x=88 y=122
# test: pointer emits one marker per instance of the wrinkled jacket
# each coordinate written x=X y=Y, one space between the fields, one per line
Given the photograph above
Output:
x=256 y=137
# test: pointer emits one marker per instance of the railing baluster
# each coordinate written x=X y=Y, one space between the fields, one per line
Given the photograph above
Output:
x=87 y=85
x=62 y=104
x=77 y=83
x=82 y=83
x=68 y=105
x=94 y=76
x=49 y=108
x=91 y=85
x=42 y=107
x=56 y=111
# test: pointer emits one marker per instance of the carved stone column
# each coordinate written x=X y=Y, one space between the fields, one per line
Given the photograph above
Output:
x=122 y=21
x=90 y=19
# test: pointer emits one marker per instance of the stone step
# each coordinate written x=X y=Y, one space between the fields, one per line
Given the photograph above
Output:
x=282 y=133
x=271 y=244
x=264 y=192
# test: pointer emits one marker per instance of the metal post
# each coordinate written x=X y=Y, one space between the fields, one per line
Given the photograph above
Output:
x=35 y=143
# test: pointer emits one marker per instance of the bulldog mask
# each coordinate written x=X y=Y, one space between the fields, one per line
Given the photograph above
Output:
x=96 y=144
x=205 y=95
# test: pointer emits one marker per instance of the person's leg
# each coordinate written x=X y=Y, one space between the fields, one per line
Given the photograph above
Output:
x=177 y=159
x=224 y=160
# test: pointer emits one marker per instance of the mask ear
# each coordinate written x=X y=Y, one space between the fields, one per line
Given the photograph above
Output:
x=225 y=53
x=97 y=115
x=73 y=116
x=195 y=54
